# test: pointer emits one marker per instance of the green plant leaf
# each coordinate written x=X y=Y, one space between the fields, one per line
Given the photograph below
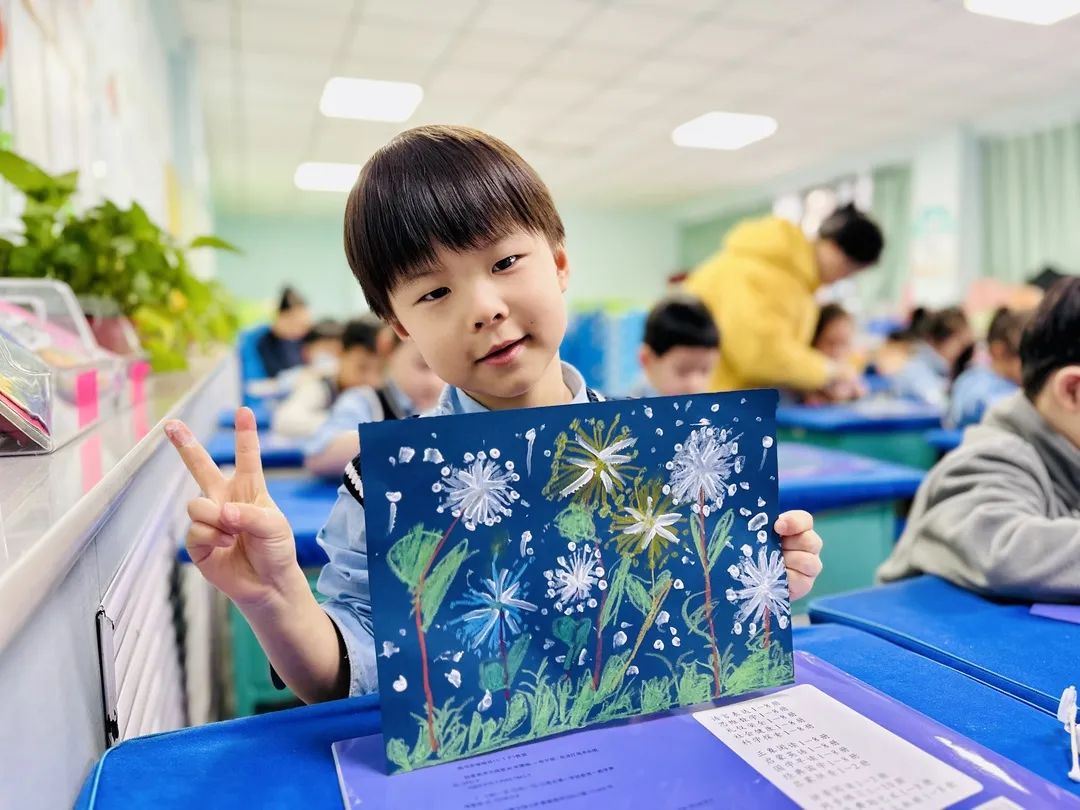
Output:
x=439 y=579
x=575 y=634
x=398 y=753
x=516 y=713
x=660 y=586
x=612 y=675
x=515 y=656
x=409 y=555
x=211 y=241
x=475 y=728
x=639 y=597
x=25 y=175
x=721 y=536
x=615 y=592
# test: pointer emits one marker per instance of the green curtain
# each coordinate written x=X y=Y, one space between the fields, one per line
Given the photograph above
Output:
x=881 y=288
x=699 y=240
x=1030 y=202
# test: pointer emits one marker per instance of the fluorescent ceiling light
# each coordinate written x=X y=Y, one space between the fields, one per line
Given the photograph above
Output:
x=723 y=130
x=369 y=100
x=326 y=176
x=1036 y=12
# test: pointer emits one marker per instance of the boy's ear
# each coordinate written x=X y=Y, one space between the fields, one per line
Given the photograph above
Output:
x=562 y=266
x=646 y=356
x=385 y=342
x=1066 y=385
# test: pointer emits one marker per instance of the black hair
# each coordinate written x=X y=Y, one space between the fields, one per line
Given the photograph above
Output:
x=829 y=313
x=1052 y=337
x=290 y=299
x=438 y=186
x=680 y=320
x=857 y=236
x=323 y=330
x=942 y=324
x=1046 y=278
x=361 y=332
x=1007 y=327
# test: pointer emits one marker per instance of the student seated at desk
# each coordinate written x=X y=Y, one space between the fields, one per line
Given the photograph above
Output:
x=279 y=347
x=834 y=337
x=476 y=283
x=679 y=350
x=937 y=358
x=306 y=409
x=411 y=388
x=1001 y=514
x=981 y=386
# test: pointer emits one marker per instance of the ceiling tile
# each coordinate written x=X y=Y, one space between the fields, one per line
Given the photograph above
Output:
x=551 y=19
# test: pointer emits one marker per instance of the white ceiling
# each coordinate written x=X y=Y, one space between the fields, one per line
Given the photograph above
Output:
x=589 y=90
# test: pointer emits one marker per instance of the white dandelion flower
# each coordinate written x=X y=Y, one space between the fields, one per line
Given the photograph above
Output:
x=648 y=525
x=573 y=579
x=700 y=469
x=480 y=493
x=601 y=462
x=764 y=589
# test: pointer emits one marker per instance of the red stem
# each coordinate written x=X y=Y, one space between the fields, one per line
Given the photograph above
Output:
x=708 y=595
x=766 y=645
x=417 y=610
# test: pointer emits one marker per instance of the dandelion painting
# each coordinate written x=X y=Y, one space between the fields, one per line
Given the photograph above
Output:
x=538 y=571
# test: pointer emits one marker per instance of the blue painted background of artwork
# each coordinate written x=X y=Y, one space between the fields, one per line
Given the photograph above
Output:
x=499 y=544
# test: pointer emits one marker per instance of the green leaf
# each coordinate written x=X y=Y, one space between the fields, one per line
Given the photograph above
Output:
x=439 y=580
x=516 y=713
x=638 y=595
x=656 y=695
x=398 y=753
x=575 y=634
x=721 y=536
x=612 y=675
x=491 y=675
x=475 y=728
x=26 y=176
x=615 y=591
x=409 y=555
x=211 y=241
x=516 y=655
x=661 y=585
x=422 y=750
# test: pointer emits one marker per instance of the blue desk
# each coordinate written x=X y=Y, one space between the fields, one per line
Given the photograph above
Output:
x=854 y=501
x=284 y=760
x=277 y=452
x=886 y=429
x=1001 y=644
x=227 y=418
x=944 y=440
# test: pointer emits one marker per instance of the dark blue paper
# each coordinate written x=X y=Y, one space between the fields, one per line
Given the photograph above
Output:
x=519 y=534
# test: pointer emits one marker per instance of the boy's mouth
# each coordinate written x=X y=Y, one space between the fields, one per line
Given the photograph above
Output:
x=504 y=352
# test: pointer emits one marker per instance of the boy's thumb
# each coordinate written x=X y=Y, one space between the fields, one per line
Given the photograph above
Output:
x=246 y=517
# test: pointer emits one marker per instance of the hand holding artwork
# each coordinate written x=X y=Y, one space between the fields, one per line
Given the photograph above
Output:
x=239 y=539
x=802 y=550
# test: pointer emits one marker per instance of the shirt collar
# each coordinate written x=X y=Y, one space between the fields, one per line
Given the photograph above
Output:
x=454 y=400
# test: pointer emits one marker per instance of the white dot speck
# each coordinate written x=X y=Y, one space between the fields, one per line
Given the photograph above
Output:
x=767 y=442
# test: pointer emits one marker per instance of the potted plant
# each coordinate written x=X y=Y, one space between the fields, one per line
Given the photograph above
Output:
x=121 y=265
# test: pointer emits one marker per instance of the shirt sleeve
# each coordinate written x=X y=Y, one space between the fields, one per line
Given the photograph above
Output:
x=351 y=408
x=344 y=583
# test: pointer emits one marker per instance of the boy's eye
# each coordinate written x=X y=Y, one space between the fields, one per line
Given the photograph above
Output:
x=435 y=295
x=506 y=264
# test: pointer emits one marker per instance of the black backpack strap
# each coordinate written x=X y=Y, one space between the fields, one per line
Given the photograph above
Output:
x=351 y=480
x=389 y=410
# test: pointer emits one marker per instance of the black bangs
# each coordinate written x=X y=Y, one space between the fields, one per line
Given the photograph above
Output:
x=434 y=187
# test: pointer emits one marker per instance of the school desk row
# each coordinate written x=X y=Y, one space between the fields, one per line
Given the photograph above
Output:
x=284 y=759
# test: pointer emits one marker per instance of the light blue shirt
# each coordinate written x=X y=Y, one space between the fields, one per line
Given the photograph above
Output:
x=344 y=580
x=924 y=378
x=353 y=407
x=973 y=392
x=643 y=389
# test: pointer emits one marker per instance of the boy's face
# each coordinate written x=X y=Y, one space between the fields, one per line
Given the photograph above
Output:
x=358 y=366
x=680 y=370
x=410 y=372
x=489 y=321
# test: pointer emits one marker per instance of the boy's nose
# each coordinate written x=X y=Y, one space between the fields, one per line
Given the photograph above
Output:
x=490 y=308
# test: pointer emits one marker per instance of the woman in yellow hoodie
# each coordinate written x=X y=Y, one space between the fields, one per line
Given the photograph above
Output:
x=760 y=290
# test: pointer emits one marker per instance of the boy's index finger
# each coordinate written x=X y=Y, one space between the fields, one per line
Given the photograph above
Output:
x=248 y=456
x=196 y=459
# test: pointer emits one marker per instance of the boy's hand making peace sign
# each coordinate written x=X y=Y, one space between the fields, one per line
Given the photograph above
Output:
x=239 y=539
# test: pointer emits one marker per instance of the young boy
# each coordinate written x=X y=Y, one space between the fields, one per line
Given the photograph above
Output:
x=680 y=348
x=411 y=388
x=935 y=362
x=305 y=410
x=1001 y=514
x=457 y=245
x=981 y=386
